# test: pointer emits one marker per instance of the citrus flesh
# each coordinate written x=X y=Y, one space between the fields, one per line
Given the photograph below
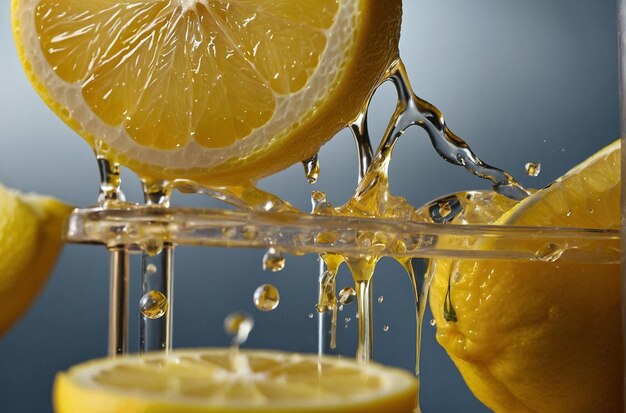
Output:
x=30 y=241
x=535 y=336
x=209 y=90
x=224 y=380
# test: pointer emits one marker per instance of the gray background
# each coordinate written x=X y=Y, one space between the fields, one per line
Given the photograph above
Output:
x=530 y=80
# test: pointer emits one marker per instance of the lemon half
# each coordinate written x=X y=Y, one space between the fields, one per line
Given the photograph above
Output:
x=535 y=336
x=210 y=90
x=225 y=381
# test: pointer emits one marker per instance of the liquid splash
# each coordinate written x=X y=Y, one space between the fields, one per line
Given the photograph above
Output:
x=372 y=198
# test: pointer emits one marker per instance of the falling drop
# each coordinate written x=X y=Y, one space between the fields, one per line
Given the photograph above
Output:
x=153 y=305
x=151 y=268
x=347 y=295
x=273 y=260
x=311 y=169
x=238 y=325
x=381 y=299
x=266 y=297
x=385 y=328
x=310 y=315
x=433 y=322
x=532 y=168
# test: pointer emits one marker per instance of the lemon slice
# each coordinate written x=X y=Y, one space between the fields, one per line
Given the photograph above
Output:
x=210 y=90
x=224 y=381
x=30 y=241
x=544 y=335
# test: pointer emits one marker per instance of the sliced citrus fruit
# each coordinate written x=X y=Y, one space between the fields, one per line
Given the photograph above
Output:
x=224 y=381
x=542 y=335
x=30 y=241
x=210 y=90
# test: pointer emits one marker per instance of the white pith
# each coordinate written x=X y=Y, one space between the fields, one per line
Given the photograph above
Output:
x=290 y=110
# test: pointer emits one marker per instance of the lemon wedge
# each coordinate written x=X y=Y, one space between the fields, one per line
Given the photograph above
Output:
x=30 y=241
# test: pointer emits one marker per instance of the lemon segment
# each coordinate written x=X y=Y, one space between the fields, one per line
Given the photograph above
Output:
x=542 y=335
x=221 y=380
x=214 y=91
x=30 y=241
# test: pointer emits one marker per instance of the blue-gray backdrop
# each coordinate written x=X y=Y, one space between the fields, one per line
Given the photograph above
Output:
x=530 y=80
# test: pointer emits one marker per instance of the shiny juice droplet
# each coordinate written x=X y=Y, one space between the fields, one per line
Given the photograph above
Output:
x=311 y=169
x=266 y=297
x=317 y=198
x=347 y=295
x=152 y=246
x=273 y=261
x=385 y=328
x=310 y=315
x=532 y=168
x=153 y=305
x=549 y=252
x=238 y=325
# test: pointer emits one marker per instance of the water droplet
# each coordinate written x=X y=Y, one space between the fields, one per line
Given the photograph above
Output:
x=310 y=315
x=311 y=169
x=433 y=322
x=317 y=197
x=532 y=168
x=381 y=299
x=385 y=328
x=238 y=325
x=347 y=295
x=266 y=297
x=340 y=308
x=273 y=260
x=153 y=305
x=152 y=246
x=549 y=252
x=151 y=268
